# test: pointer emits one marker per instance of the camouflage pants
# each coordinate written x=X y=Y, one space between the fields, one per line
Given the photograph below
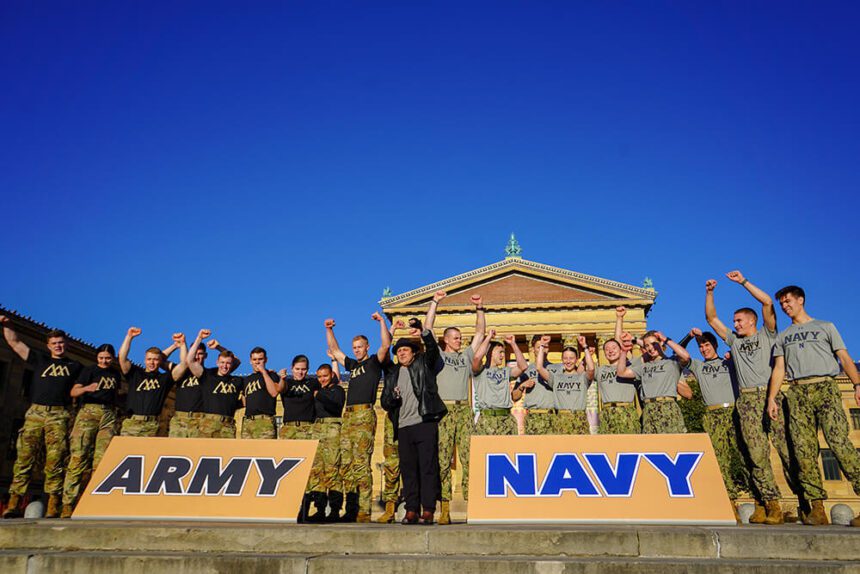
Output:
x=758 y=431
x=94 y=427
x=391 y=464
x=495 y=425
x=540 y=423
x=260 y=426
x=356 y=445
x=184 y=425
x=572 y=422
x=138 y=426
x=815 y=406
x=216 y=426
x=662 y=417
x=50 y=427
x=622 y=419
x=720 y=426
x=325 y=472
x=455 y=428
x=297 y=430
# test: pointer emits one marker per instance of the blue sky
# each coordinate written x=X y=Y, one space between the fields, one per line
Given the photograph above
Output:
x=257 y=167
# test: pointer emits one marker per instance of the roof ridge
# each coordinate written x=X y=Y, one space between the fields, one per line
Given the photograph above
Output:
x=38 y=324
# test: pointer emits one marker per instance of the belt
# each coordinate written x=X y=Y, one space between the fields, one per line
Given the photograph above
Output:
x=570 y=411
x=719 y=406
x=258 y=417
x=543 y=411
x=49 y=408
x=98 y=405
x=617 y=404
x=495 y=412
x=330 y=420
x=188 y=414
x=455 y=403
x=297 y=423
x=754 y=389
x=810 y=380
x=352 y=408
x=221 y=418
x=661 y=399
x=144 y=418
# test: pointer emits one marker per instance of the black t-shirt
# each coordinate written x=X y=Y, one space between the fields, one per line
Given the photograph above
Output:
x=298 y=399
x=147 y=391
x=258 y=401
x=329 y=401
x=220 y=393
x=108 y=381
x=189 y=398
x=52 y=379
x=364 y=378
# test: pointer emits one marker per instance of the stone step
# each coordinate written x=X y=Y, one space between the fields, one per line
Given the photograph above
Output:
x=188 y=562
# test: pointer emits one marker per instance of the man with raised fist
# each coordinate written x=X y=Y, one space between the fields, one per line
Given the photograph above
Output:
x=219 y=388
x=260 y=391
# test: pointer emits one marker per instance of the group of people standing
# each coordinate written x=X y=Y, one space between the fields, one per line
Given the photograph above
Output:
x=438 y=396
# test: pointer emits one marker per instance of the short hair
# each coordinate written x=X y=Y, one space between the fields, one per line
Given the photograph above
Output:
x=256 y=350
x=535 y=339
x=106 y=348
x=300 y=359
x=325 y=367
x=225 y=354
x=361 y=338
x=154 y=351
x=492 y=346
x=445 y=333
x=748 y=311
x=793 y=290
x=611 y=341
x=651 y=333
x=54 y=334
x=710 y=338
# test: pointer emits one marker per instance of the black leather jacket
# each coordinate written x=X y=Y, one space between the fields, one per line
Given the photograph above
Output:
x=423 y=371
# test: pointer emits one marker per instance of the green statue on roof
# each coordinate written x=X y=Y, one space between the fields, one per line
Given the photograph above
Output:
x=513 y=249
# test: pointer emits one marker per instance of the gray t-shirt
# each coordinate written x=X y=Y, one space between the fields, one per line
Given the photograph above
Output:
x=751 y=356
x=539 y=396
x=453 y=380
x=409 y=407
x=809 y=349
x=570 y=390
x=611 y=388
x=493 y=388
x=659 y=378
x=715 y=380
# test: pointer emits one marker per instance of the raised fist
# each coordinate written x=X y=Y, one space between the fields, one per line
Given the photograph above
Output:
x=696 y=332
x=735 y=276
x=492 y=334
x=400 y=324
x=476 y=300
x=329 y=354
x=510 y=340
x=204 y=334
x=545 y=340
x=258 y=368
x=581 y=341
x=212 y=344
x=329 y=323
x=620 y=311
x=282 y=373
x=439 y=295
x=376 y=317
x=710 y=284
x=133 y=332
x=626 y=341
x=178 y=338
x=414 y=333
x=415 y=324
x=4 y=320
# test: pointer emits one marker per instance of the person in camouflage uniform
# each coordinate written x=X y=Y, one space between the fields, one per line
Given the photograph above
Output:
x=569 y=385
x=805 y=354
x=618 y=414
x=325 y=483
x=390 y=473
x=259 y=395
x=46 y=421
x=494 y=397
x=95 y=424
x=539 y=400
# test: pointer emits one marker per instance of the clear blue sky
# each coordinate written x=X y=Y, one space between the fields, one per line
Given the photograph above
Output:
x=257 y=167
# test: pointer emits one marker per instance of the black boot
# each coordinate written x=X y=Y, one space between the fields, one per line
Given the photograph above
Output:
x=303 y=511
x=335 y=502
x=320 y=501
x=351 y=512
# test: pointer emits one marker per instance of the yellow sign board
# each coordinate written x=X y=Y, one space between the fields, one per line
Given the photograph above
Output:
x=664 y=479
x=199 y=479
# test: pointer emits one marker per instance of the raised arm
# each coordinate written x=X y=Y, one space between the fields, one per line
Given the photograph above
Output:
x=273 y=387
x=711 y=311
x=542 y=349
x=522 y=365
x=195 y=366
x=178 y=371
x=384 y=336
x=214 y=345
x=167 y=351
x=19 y=346
x=430 y=317
x=335 y=366
x=768 y=313
x=621 y=368
x=124 y=363
x=477 y=360
x=620 y=312
x=589 y=360
x=777 y=376
x=480 y=322
x=679 y=351
x=331 y=341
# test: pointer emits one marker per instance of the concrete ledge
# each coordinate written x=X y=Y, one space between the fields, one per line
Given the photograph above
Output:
x=680 y=542
x=791 y=543
x=534 y=541
x=12 y=563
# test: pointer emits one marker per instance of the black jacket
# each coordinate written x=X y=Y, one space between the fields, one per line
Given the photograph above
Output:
x=423 y=371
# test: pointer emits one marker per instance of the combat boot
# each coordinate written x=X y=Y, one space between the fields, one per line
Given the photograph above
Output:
x=774 y=512
x=13 y=510
x=445 y=513
x=855 y=521
x=68 y=509
x=351 y=511
x=362 y=517
x=55 y=503
x=306 y=506
x=758 y=515
x=388 y=516
x=335 y=502
x=817 y=516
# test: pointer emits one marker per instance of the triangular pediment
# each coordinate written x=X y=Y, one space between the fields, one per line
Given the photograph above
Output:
x=519 y=282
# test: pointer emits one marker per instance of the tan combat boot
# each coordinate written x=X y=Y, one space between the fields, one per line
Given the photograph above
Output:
x=13 y=510
x=55 y=502
x=855 y=521
x=817 y=516
x=445 y=513
x=758 y=515
x=362 y=517
x=68 y=509
x=774 y=512
x=388 y=516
